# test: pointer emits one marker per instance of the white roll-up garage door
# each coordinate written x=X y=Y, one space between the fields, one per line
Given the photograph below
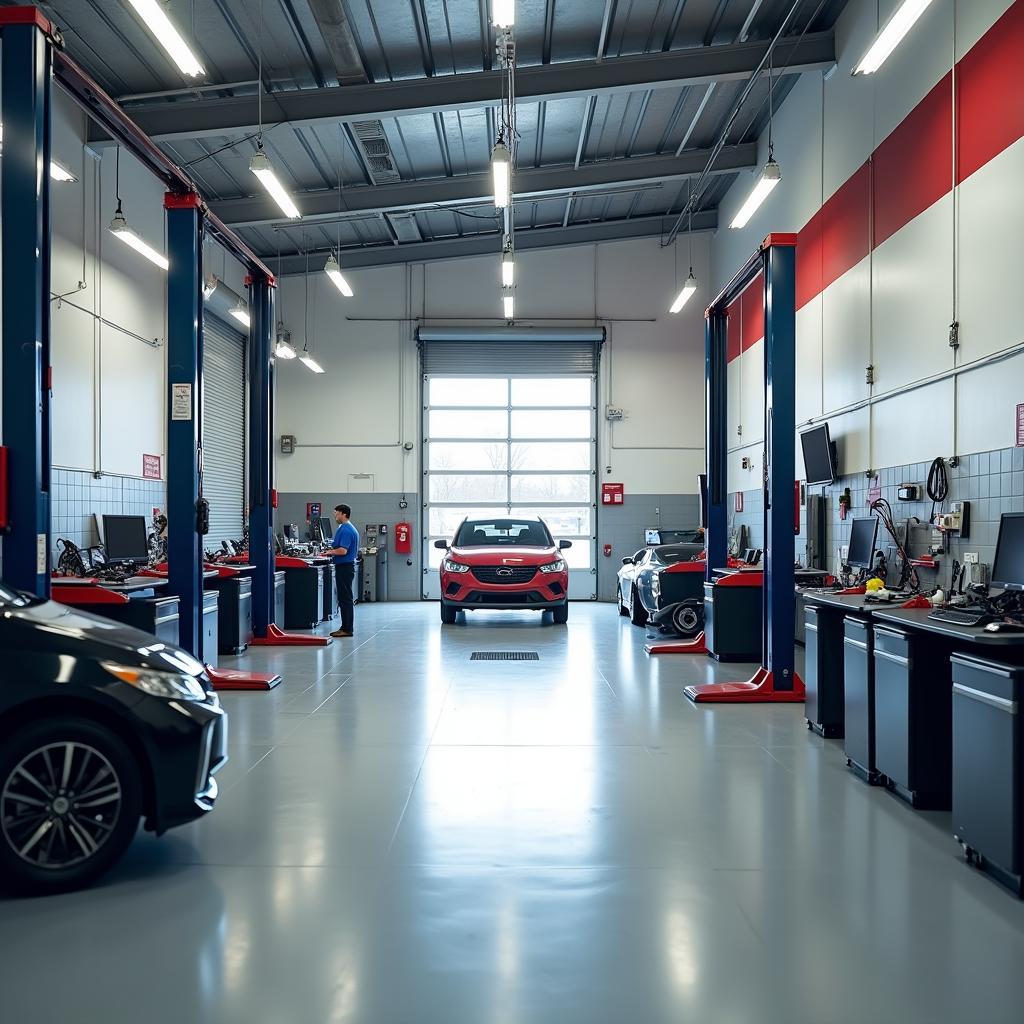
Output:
x=224 y=431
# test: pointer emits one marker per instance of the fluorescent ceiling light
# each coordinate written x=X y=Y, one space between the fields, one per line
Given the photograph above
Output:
x=501 y=167
x=308 y=361
x=889 y=38
x=210 y=285
x=162 y=29
x=684 y=296
x=508 y=304
x=260 y=166
x=508 y=270
x=119 y=227
x=333 y=271
x=770 y=176
x=504 y=13
x=57 y=171
x=241 y=313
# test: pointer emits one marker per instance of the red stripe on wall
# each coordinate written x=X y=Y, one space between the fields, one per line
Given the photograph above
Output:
x=990 y=96
x=912 y=168
x=734 y=330
x=752 y=307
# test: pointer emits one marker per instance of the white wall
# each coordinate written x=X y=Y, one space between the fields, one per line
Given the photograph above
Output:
x=956 y=259
x=354 y=418
x=109 y=385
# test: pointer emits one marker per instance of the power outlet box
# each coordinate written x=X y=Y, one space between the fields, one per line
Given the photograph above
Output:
x=909 y=492
x=844 y=553
x=970 y=558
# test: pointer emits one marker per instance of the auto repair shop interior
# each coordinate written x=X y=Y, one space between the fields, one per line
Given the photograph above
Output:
x=511 y=510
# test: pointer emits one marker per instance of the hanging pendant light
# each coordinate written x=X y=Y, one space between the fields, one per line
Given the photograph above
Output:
x=333 y=270
x=240 y=311
x=501 y=171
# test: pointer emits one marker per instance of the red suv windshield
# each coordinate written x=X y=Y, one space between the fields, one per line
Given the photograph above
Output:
x=485 y=533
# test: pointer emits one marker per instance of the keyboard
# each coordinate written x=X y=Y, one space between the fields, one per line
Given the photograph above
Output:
x=958 y=618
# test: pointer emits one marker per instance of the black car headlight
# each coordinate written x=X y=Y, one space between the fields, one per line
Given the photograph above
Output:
x=450 y=566
x=558 y=566
x=166 y=685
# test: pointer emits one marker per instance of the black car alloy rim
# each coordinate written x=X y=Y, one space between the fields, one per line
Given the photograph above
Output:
x=59 y=805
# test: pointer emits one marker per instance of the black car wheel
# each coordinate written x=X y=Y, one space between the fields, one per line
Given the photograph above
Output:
x=637 y=612
x=688 y=618
x=561 y=614
x=623 y=610
x=70 y=800
x=448 y=613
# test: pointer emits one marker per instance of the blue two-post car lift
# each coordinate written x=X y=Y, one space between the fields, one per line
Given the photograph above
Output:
x=33 y=57
x=776 y=680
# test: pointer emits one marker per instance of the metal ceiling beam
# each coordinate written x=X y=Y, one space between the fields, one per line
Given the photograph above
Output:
x=484 y=244
x=467 y=188
x=674 y=69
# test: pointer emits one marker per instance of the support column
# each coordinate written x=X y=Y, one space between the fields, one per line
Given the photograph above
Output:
x=25 y=316
x=716 y=402
x=185 y=414
x=779 y=605
x=260 y=433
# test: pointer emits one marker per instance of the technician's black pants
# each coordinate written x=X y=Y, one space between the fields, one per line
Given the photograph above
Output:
x=344 y=575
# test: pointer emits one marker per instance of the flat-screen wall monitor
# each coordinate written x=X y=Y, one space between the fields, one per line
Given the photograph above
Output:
x=702 y=484
x=1008 y=565
x=652 y=537
x=819 y=455
x=862 y=543
x=124 y=539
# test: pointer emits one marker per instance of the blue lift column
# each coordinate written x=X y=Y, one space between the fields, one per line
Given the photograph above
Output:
x=716 y=399
x=779 y=605
x=261 y=484
x=25 y=316
x=185 y=414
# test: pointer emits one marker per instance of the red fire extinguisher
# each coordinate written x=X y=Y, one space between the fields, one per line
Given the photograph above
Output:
x=403 y=538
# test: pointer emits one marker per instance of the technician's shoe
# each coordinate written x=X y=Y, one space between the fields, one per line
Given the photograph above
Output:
x=340 y=632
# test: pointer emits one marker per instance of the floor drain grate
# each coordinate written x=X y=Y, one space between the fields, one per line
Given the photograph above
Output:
x=504 y=656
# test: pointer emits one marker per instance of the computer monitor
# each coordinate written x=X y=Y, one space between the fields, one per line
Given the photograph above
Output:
x=819 y=455
x=326 y=528
x=124 y=539
x=1008 y=565
x=862 y=543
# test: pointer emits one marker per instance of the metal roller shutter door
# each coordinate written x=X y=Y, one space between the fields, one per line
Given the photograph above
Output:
x=223 y=431
x=441 y=358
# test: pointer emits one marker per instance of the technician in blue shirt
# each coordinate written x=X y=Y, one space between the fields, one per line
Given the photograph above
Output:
x=344 y=549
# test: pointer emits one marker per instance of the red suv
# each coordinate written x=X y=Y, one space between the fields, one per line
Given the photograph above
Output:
x=504 y=563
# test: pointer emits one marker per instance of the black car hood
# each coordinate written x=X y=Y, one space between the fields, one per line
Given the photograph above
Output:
x=52 y=625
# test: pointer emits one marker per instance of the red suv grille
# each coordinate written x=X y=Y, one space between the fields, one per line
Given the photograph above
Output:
x=504 y=573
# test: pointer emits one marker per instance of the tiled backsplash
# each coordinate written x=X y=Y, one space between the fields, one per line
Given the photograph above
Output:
x=993 y=483
x=77 y=495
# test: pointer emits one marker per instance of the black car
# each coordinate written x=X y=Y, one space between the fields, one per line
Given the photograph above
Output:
x=100 y=725
x=637 y=588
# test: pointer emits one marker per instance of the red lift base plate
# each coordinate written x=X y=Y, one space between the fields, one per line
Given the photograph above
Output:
x=694 y=646
x=278 y=638
x=237 y=679
x=758 y=690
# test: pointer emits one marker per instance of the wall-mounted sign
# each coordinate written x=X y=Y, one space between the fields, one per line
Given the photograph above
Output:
x=1020 y=425
x=181 y=401
x=738 y=501
x=613 y=494
x=150 y=467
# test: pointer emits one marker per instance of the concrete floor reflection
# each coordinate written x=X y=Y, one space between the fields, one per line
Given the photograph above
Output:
x=408 y=837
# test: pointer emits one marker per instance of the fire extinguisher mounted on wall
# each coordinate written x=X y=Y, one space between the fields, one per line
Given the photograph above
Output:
x=403 y=538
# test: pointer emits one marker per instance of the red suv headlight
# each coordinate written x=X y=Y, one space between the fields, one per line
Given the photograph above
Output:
x=450 y=566
x=558 y=566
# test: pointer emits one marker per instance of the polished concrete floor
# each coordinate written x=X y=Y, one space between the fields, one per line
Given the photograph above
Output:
x=408 y=837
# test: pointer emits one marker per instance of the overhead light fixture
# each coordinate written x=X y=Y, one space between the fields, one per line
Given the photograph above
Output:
x=57 y=171
x=689 y=287
x=501 y=168
x=283 y=348
x=162 y=29
x=260 y=166
x=508 y=303
x=310 y=363
x=504 y=13
x=889 y=38
x=210 y=285
x=770 y=176
x=119 y=226
x=508 y=270
x=241 y=313
x=333 y=270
